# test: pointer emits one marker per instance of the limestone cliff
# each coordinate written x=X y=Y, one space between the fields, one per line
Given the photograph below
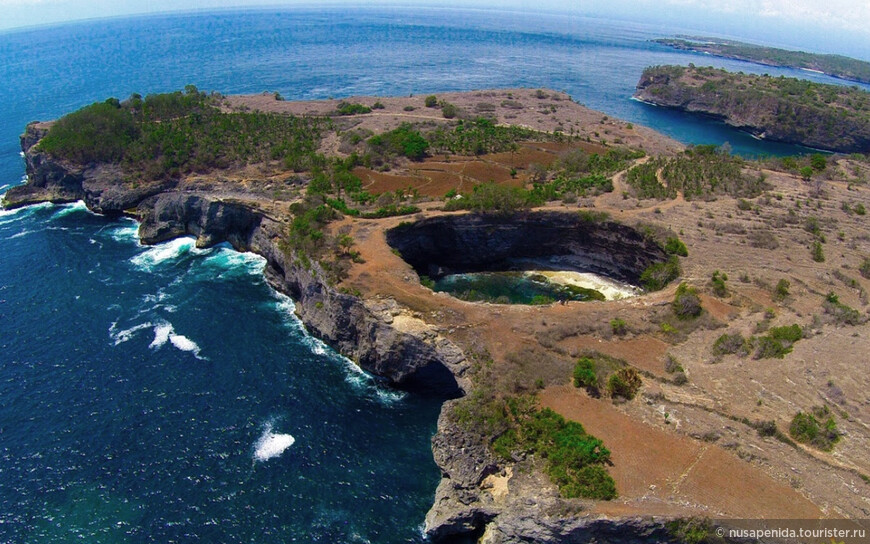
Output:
x=477 y=498
x=786 y=110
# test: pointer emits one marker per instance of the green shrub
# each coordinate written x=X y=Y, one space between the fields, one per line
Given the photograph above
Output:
x=100 y=132
x=693 y=531
x=571 y=454
x=449 y=111
x=404 y=140
x=392 y=210
x=860 y=209
x=624 y=383
x=675 y=246
x=816 y=428
x=593 y=216
x=349 y=108
x=492 y=198
x=687 y=303
x=864 y=268
x=817 y=252
x=167 y=135
x=658 y=275
x=589 y=481
x=782 y=289
x=718 y=283
x=731 y=344
x=618 y=326
x=585 y=373
x=430 y=101
x=790 y=333
x=778 y=342
x=842 y=313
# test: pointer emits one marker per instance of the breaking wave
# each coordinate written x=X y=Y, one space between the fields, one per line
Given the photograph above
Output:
x=271 y=444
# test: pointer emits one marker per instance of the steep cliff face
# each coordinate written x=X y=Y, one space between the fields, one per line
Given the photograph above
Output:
x=411 y=360
x=478 y=501
x=362 y=330
x=104 y=187
x=790 y=111
x=473 y=243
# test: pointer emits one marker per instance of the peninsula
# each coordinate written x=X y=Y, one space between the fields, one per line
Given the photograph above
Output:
x=828 y=117
x=838 y=66
x=691 y=352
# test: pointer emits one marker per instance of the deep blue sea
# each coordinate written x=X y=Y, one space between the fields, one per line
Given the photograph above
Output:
x=167 y=394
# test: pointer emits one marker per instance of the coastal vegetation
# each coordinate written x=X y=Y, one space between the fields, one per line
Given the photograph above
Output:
x=817 y=428
x=481 y=135
x=776 y=344
x=830 y=117
x=700 y=172
x=834 y=65
x=598 y=372
x=167 y=135
x=573 y=459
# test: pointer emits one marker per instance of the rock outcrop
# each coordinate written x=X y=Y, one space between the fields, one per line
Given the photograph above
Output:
x=473 y=243
x=104 y=187
x=781 y=110
x=478 y=500
x=419 y=360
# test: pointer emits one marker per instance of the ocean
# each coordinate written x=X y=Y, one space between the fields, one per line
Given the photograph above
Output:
x=167 y=393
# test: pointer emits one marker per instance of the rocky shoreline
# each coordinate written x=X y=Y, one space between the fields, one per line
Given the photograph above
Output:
x=762 y=106
x=471 y=502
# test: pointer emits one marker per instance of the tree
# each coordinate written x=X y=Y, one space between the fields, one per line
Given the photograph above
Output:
x=687 y=303
x=345 y=242
x=806 y=173
x=818 y=162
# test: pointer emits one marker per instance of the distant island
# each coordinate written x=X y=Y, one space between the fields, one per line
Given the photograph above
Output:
x=838 y=66
x=790 y=110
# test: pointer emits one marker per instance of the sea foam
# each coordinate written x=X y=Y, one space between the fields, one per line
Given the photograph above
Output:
x=76 y=207
x=161 y=335
x=164 y=332
x=127 y=233
x=119 y=337
x=161 y=253
x=367 y=384
x=184 y=344
x=271 y=444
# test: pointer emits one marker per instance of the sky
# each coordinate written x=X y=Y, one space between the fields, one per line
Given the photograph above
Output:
x=828 y=26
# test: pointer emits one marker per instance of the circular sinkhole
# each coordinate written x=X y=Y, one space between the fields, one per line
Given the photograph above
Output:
x=528 y=258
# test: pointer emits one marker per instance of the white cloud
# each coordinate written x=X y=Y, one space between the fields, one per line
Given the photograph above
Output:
x=851 y=15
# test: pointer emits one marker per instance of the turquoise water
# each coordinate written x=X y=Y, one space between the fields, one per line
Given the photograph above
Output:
x=152 y=394
x=506 y=288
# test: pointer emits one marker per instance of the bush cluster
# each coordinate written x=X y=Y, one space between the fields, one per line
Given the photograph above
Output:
x=816 y=428
x=687 y=303
x=657 y=275
x=624 y=383
x=574 y=459
x=403 y=141
x=700 y=172
x=493 y=198
x=168 y=135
